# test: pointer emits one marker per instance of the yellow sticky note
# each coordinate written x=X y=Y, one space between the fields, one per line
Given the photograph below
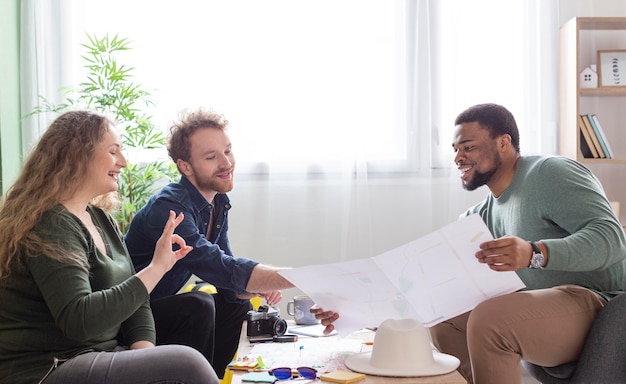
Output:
x=343 y=377
x=243 y=365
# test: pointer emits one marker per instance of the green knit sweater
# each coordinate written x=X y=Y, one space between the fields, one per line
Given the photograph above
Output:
x=52 y=309
x=559 y=202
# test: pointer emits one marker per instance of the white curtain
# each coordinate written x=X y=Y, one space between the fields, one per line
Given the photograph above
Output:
x=45 y=50
x=506 y=53
x=541 y=88
x=341 y=111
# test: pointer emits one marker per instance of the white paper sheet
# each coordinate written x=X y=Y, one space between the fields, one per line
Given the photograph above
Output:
x=432 y=279
x=316 y=330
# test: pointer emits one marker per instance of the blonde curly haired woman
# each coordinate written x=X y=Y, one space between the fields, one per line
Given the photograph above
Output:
x=72 y=309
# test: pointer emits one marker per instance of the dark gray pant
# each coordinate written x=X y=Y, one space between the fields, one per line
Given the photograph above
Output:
x=167 y=364
x=207 y=323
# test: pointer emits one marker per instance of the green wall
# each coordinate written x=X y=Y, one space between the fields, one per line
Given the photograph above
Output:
x=10 y=124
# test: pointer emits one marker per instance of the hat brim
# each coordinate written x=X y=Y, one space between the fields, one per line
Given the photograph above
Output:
x=443 y=363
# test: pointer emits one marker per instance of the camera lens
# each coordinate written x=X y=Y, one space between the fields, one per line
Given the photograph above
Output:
x=280 y=327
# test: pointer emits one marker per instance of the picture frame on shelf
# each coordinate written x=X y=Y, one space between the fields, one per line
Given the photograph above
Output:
x=612 y=68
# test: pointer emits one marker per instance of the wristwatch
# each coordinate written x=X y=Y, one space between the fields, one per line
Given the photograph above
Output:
x=537 y=259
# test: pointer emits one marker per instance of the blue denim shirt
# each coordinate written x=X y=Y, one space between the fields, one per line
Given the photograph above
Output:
x=211 y=259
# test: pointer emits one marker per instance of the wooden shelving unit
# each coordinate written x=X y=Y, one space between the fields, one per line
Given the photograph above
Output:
x=580 y=40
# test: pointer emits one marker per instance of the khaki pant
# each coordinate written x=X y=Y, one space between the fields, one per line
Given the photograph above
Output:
x=547 y=327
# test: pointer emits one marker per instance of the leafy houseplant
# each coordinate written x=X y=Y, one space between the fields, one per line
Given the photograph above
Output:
x=108 y=88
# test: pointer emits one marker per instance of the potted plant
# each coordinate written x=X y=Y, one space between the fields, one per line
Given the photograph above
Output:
x=109 y=88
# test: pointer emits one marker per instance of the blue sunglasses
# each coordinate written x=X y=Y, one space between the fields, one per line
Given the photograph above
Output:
x=285 y=373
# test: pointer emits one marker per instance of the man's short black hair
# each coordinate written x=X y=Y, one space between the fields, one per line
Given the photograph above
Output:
x=493 y=117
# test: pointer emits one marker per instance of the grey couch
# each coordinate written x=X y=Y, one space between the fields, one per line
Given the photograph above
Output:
x=603 y=360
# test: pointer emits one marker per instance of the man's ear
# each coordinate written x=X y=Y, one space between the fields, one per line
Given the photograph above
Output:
x=184 y=167
x=504 y=141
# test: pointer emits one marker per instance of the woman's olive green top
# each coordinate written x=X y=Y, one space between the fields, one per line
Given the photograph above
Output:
x=51 y=309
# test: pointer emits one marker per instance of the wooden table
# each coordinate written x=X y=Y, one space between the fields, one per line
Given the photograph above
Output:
x=451 y=378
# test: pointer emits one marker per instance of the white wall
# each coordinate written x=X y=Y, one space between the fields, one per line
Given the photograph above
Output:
x=296 y=223
x=591 y=8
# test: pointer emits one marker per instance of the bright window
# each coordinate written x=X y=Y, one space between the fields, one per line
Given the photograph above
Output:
x=333 y=85
x=304 y=83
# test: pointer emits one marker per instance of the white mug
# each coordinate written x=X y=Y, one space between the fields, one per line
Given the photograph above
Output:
x=300 y=309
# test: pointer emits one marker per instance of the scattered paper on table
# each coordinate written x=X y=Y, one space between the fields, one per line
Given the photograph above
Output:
x=326 y=354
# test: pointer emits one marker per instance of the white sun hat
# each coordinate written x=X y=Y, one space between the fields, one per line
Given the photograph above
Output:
x=402 y=348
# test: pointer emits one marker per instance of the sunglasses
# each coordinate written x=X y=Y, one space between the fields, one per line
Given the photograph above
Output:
x=285 y=373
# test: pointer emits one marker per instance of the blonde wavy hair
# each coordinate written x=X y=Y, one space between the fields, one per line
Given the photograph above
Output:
x=51 y=173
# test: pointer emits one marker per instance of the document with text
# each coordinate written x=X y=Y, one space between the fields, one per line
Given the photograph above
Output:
x=431 y=279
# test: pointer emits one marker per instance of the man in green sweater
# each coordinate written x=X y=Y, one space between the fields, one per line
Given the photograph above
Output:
x=554 y=226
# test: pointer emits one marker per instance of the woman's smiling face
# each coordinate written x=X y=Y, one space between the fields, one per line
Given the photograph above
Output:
x=106 y=164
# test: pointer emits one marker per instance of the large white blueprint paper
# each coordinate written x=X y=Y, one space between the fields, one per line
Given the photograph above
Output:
x=432 y=279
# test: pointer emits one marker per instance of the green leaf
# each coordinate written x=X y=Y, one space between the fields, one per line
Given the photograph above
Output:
x=109 y=89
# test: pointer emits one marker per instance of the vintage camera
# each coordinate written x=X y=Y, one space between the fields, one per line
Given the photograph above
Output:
x=266 y=321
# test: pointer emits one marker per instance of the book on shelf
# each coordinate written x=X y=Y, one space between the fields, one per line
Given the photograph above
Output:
x=595 y=123
x=594 y=138
x=597 y=134
x=587 y=148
